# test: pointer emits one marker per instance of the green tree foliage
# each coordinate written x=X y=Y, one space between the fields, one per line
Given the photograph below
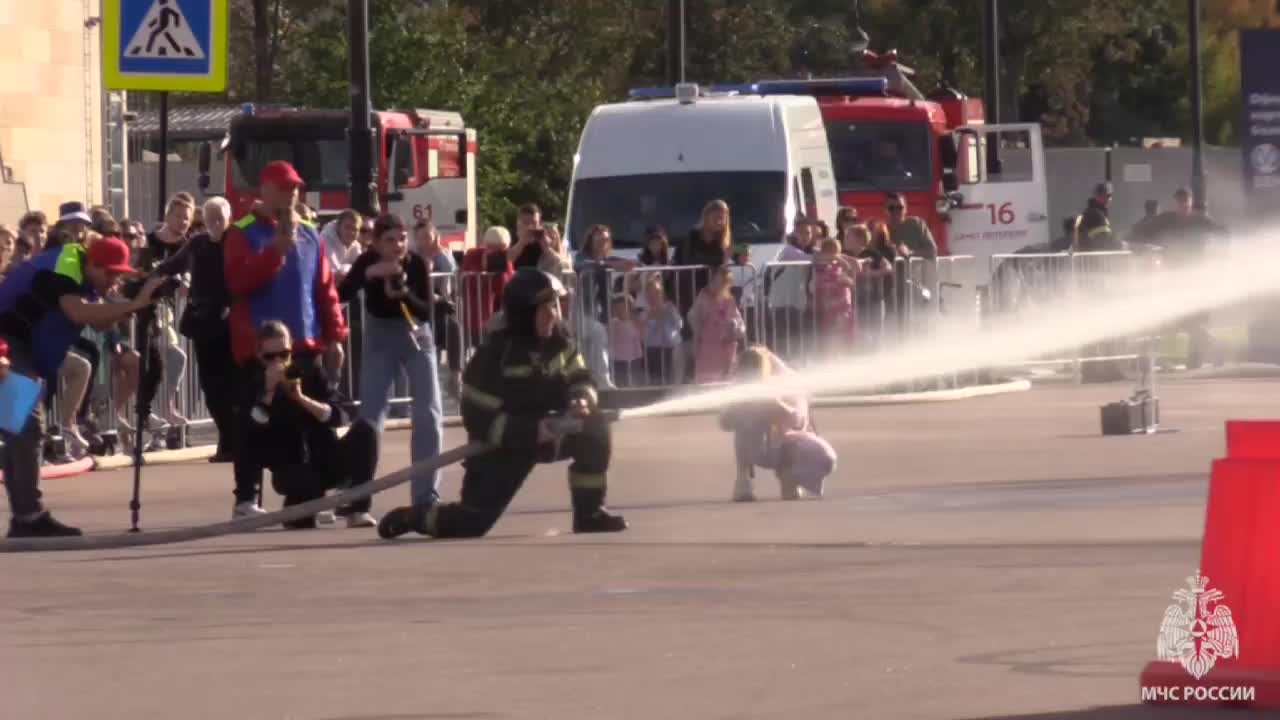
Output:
x=526 y=74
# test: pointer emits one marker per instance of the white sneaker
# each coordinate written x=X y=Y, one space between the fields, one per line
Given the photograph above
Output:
x=246 y=509
x=77 y=446
x=326 y=518
x=361 y=520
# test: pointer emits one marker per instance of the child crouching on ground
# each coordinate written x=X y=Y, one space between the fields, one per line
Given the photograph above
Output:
x=776 y=434
x=293 y=430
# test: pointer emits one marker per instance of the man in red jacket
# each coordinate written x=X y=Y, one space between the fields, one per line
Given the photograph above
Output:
x=276 y=269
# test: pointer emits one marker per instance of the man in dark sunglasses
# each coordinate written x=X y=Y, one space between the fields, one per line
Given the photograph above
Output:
x=909 y=230
x=293 y=430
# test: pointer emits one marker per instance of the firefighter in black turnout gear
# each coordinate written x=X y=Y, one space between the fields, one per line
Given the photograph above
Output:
x=528 y=393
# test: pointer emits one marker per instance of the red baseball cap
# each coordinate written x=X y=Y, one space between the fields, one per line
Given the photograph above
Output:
x=281 y=173
x=110 y=253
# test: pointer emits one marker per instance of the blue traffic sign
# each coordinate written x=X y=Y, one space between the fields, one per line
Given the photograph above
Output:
x=165 y=45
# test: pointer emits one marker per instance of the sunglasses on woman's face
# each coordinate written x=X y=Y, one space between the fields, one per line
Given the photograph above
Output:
x=894 y=208
x=277 y=355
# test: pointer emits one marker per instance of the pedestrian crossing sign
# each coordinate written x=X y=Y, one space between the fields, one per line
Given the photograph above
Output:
x=165 y=45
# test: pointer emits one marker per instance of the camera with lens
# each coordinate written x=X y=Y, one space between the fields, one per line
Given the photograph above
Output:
x=165 y=291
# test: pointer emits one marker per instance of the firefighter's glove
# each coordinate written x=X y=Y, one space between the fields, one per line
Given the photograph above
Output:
x=581 y=407
x=582 y=400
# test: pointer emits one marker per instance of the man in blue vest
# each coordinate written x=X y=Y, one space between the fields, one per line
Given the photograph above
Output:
x=44 y=305
x=276 y=270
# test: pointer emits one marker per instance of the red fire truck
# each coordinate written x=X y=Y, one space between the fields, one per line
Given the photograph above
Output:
x=425 y=163
x=980 y=187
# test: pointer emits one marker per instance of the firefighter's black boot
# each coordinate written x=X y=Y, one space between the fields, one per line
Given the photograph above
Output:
x=591 y=516
x=600 y=521
x=402 y=520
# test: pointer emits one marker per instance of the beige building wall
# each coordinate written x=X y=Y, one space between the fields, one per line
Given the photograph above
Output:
x=51 y=100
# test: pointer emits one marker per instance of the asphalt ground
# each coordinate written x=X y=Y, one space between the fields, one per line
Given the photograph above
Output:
x=985 y=558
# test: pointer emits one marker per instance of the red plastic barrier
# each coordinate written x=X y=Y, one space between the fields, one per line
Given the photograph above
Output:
x=75 y=467
x=1239 y=557
x=1253 y=439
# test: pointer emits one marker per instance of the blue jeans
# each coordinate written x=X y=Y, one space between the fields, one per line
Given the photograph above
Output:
x=388 y=347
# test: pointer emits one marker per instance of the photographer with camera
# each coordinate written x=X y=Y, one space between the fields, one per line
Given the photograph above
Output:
x=276 y=269
x=44 y=305
x=528 y=393
x=294 y=420
x=398 y=307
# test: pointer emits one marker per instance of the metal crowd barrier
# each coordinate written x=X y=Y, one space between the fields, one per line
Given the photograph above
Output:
x=1041 y=280
x=635 y=331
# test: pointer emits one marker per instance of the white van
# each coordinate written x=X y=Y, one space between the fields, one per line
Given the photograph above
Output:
x=658 y=159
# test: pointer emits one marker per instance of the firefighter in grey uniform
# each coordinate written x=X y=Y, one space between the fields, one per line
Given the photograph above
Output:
x=528 y=393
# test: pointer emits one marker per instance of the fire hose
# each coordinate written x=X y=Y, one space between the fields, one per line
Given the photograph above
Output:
x=296 y=512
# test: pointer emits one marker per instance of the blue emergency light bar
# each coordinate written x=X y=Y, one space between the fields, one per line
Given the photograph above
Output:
x=850 y=87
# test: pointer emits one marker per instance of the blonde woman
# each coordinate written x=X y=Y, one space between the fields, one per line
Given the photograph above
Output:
x=709 y=243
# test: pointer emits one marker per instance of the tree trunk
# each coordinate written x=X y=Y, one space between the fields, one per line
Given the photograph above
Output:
x=262 y=55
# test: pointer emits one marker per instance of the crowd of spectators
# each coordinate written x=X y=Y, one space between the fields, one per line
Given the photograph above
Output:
x=317 y=320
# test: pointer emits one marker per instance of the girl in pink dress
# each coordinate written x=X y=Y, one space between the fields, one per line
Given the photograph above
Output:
x=833 y=281
x=717 y=327
x=625 y=349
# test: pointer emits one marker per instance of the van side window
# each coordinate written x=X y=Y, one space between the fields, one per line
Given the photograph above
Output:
x=810 y=195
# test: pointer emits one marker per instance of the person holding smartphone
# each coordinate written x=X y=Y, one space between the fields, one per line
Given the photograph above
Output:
x=399 y=305
x=294 y=421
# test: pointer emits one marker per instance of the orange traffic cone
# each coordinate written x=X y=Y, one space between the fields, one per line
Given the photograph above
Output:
x=1222 y=644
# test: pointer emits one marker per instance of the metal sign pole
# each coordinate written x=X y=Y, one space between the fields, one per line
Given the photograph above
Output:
x=164 y=155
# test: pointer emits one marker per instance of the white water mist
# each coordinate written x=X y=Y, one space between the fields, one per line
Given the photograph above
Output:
x=1140 y=301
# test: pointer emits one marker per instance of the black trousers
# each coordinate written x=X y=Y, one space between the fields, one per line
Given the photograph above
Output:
x=448 y=335
x=216 y=372
x=248 y=473
x=1201 y=345
x=151 y=357
x=491 y=480
x=332 y=462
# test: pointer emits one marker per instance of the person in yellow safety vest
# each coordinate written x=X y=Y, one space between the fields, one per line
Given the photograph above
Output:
x=1093 y=228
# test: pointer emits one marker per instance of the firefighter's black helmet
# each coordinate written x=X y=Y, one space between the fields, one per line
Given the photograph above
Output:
x=526 y=290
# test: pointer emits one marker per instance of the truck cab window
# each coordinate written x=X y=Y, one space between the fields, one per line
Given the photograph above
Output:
x=880 y=156
x=403 y=160
x=1016 y=159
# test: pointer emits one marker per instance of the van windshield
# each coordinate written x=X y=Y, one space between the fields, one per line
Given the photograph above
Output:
x=880 y=156
x=628 y=204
